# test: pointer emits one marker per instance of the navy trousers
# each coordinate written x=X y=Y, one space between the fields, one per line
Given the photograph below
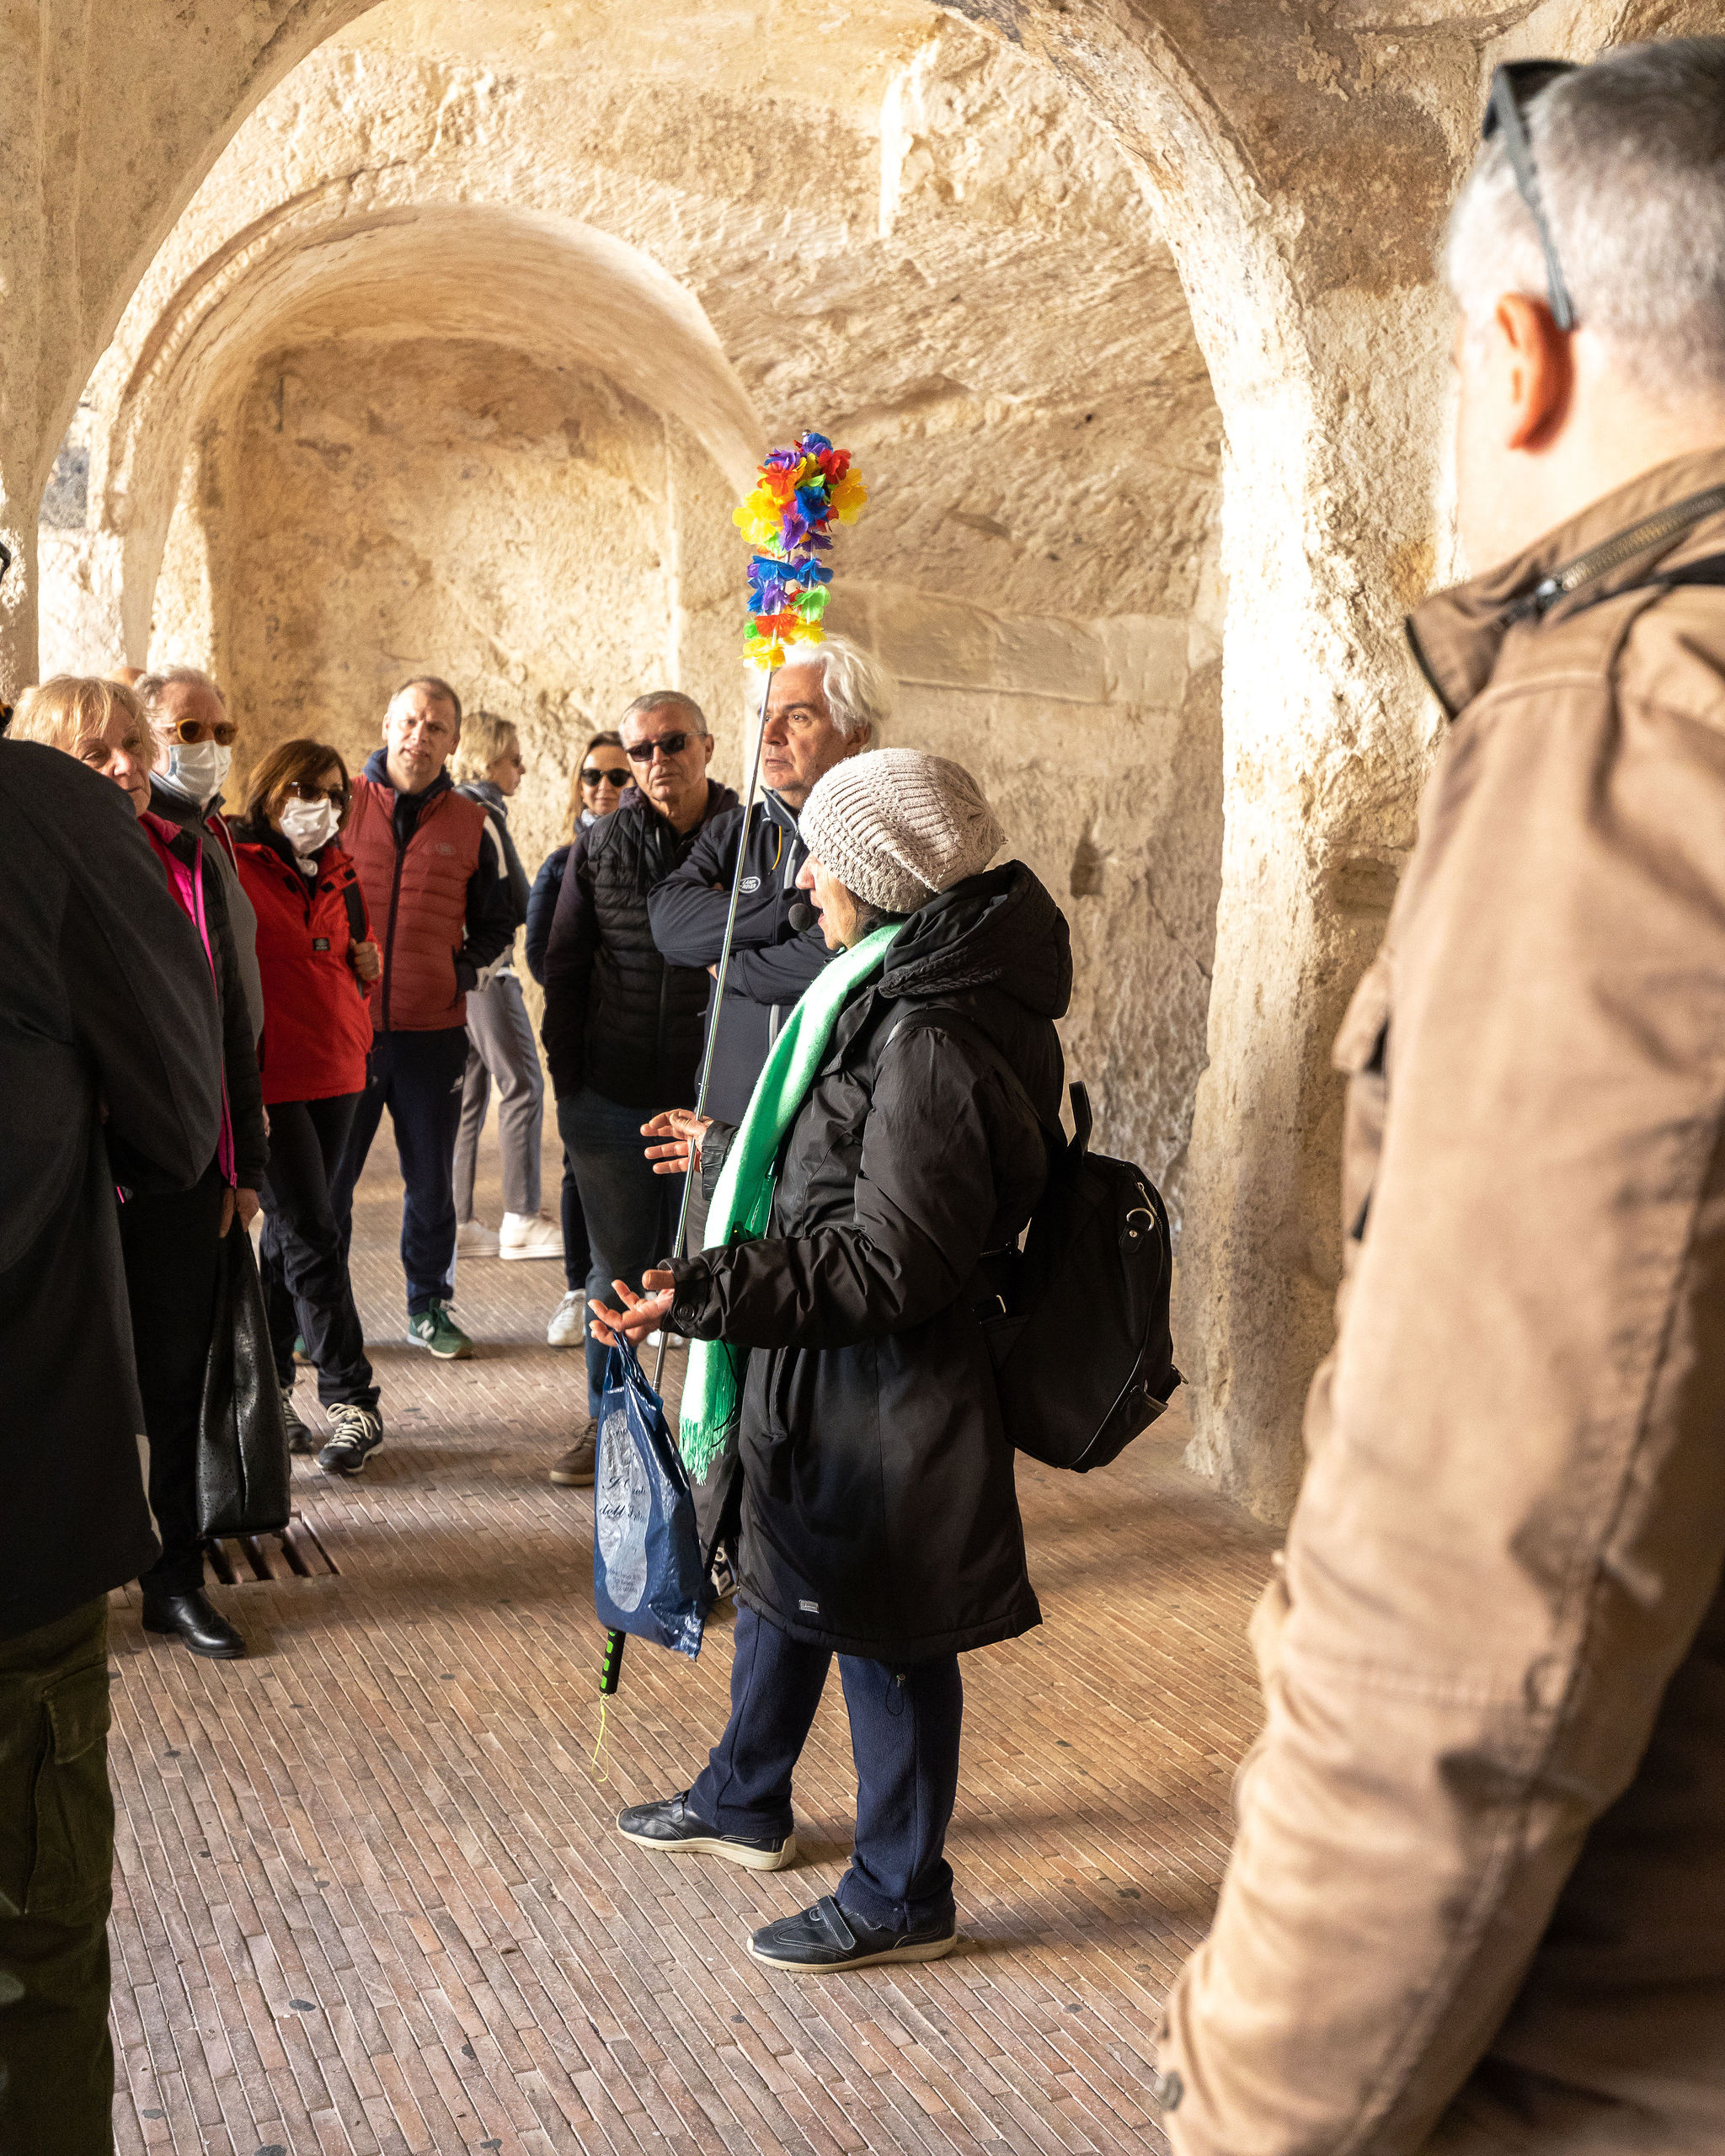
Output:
x=622 y=1201
x=307 y=1289
x=417 y=1078
x=905 y=1724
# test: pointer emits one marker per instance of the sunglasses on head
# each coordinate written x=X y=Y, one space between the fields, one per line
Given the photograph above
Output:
x=186 y=731
x=1513 y=87
x=672 y=744
x=618 y=775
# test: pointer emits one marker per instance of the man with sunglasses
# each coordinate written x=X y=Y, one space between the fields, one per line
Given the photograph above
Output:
x=1476 y=1903
x=623 y=1027
x=195 y=734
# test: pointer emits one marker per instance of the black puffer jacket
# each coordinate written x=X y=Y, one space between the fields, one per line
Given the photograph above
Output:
x=617 y=1017
x=880 y=1513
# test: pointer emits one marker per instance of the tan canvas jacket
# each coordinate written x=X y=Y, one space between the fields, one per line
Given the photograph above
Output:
x=1477 y=1901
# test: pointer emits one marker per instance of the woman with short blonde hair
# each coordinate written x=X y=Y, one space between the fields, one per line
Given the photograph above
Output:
x=487 y=768
x=100 y=722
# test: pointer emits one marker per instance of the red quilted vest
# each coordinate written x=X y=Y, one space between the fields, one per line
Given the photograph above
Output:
x=417 y=898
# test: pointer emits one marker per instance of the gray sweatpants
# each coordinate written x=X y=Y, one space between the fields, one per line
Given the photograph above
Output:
x=500 y=1045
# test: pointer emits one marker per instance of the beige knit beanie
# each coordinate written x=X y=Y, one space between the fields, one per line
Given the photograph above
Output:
x=896 y=825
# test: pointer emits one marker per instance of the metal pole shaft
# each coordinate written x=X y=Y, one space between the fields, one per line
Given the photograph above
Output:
x=724 y=960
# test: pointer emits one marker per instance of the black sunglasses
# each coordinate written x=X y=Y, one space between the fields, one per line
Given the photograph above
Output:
x=1513 y=87
x=618 y=776
x=672 y=744
x=302 y=789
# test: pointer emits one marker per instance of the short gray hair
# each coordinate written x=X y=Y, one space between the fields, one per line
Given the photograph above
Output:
x=1631 y=153
x=149 y=688
x=858 y=689
x=658 y=699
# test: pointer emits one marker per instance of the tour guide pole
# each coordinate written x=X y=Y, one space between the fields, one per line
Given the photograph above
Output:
x=788 y=518
x=724 y=960
x=611 y=1670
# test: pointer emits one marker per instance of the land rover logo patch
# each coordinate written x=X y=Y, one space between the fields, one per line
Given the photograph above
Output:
x=750 y=883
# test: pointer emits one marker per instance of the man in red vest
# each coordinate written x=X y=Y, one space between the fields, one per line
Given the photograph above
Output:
x=439 y=901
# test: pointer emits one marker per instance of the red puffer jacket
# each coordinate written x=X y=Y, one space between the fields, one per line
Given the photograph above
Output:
x=317 y=1013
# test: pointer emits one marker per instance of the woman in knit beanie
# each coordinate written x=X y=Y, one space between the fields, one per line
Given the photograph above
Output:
x=894 y=1136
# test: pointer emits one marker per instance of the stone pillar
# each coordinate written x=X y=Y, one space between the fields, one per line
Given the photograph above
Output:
x=1299 y=167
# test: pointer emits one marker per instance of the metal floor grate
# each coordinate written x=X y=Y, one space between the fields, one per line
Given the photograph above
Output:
x=297 y=1552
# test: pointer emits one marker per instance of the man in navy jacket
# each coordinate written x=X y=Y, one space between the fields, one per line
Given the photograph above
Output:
x=819 y=710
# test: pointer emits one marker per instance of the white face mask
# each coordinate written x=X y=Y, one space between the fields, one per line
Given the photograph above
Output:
x=307 y=825
x=198 y=768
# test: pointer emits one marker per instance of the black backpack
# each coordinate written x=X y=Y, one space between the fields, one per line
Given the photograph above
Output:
x=1075 y=1318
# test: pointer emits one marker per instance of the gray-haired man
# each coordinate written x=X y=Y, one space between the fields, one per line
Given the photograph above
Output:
x=1476 y=1903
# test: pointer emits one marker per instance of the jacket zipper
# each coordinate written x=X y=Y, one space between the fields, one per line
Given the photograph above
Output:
x=401 y=861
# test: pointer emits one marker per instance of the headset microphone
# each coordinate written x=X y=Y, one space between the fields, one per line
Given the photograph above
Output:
x=801 y=916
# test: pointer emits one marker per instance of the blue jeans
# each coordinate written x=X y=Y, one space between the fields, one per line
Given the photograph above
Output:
x=624 y=1201
x=417 y=1078
x=905 y=1724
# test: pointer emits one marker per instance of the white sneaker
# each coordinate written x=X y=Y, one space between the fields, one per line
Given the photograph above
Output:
x=473 y=1238
x=666 y=1339
x=568 y=1321
x=530 y=1234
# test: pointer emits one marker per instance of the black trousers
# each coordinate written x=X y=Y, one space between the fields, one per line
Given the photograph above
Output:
x=56 y=1865
x=307 y=1289
x=418 y=1077
x=577 y=1251
x=171 y=1246
x=905 y=1724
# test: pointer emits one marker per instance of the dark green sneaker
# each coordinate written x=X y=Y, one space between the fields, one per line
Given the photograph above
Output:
x=434 y=1329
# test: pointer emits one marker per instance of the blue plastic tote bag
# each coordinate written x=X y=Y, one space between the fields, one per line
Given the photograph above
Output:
x=646 y=1554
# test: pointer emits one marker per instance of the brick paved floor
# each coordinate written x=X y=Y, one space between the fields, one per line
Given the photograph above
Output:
x=368 y=1898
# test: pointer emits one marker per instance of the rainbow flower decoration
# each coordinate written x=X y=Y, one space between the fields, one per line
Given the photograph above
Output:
x=788 y=518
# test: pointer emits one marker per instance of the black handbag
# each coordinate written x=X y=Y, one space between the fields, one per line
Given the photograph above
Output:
x=243 y=1460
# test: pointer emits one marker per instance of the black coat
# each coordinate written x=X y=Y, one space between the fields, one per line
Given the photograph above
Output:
x=772 y=962
x=617 y=1017
x=541 y=908
x=105 y=1001
x=880 y=1513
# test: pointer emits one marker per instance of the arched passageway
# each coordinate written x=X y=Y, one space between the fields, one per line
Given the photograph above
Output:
x=477 y=400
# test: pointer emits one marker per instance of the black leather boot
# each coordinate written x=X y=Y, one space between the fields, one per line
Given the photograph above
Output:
x=194 y=1618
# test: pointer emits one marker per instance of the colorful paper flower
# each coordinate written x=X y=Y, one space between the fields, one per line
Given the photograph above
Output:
x=788 y=518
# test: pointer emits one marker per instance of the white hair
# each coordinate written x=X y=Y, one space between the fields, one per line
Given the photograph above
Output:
x=149 y=687
x=858 y=689
x=1630 y=156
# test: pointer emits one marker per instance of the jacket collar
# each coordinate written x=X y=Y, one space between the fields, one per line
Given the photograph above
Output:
x=1672 y=515
x=377 y=771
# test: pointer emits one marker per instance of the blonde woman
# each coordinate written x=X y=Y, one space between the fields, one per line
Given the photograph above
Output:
x=487 y=768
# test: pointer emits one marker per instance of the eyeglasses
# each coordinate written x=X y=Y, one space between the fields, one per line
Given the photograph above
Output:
x=302 y=789
x=671 y=745
x=618 y=776
x=186 y=731
x=1513 y=87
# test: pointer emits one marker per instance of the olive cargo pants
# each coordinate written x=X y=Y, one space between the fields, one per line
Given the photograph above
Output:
x=56 y=1867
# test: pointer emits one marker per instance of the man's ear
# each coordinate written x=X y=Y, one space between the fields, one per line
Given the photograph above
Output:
x=1539 y=371
x=711 y=742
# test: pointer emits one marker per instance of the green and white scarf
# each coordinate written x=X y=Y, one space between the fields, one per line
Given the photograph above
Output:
x=742 y=1203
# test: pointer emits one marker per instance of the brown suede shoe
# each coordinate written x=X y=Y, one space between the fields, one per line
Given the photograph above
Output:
x=575 y=1471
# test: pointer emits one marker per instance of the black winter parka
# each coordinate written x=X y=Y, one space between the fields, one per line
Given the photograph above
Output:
x=880 y=1517
x=110 y=1065
x=617 y=1017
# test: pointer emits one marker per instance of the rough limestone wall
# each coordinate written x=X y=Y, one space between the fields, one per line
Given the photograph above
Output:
x=960 y=280
x=439 y=507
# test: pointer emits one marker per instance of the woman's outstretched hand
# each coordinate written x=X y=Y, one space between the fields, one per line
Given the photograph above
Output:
x=683 y=1130
x=640 y=1314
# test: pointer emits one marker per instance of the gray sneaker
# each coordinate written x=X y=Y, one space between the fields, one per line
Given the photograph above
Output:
x=358 y=1433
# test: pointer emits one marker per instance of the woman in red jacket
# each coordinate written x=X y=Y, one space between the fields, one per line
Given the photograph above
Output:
x=318 y=961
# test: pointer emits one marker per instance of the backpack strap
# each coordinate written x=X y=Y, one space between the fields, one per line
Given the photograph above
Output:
x=355 y=909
